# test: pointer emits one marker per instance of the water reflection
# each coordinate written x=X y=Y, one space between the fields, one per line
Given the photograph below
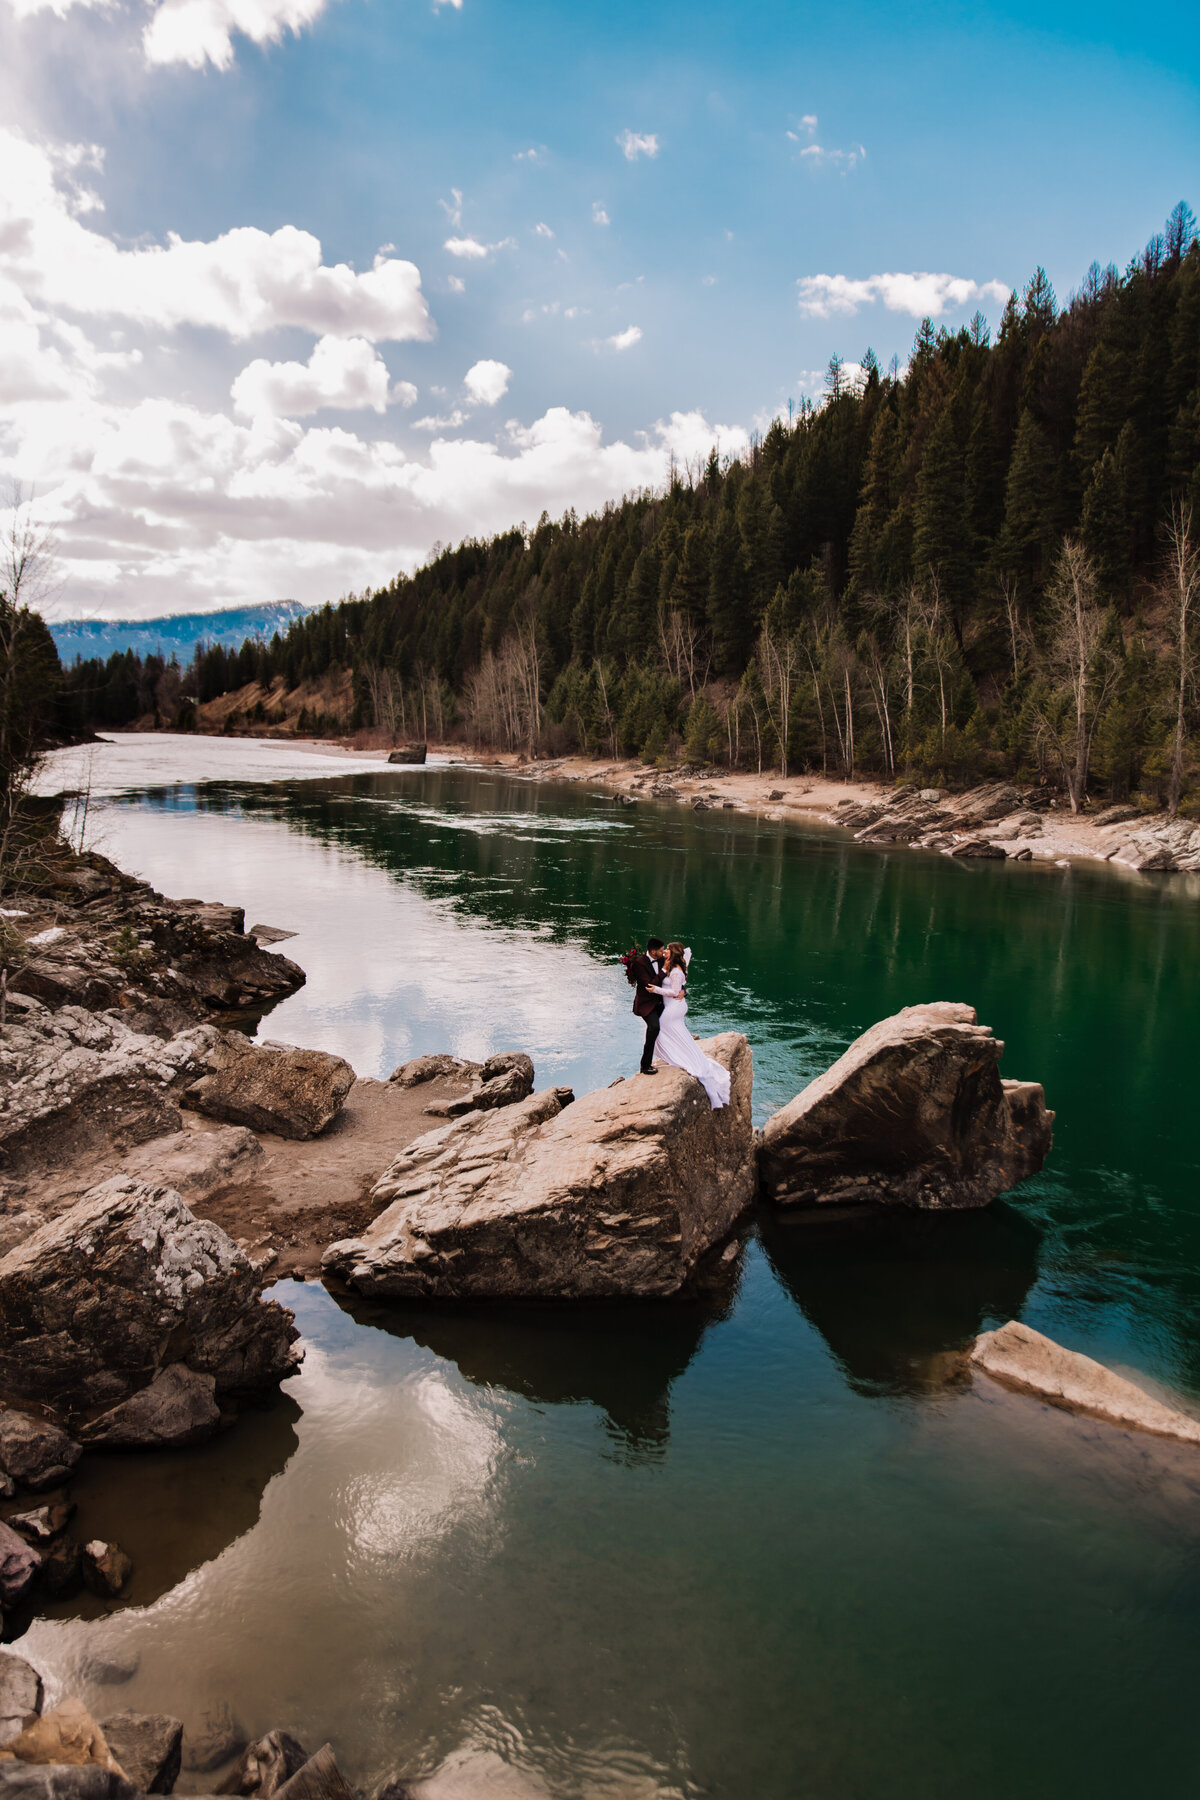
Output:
x=898 y=1297
x=173 y=1510
x=622 y=1358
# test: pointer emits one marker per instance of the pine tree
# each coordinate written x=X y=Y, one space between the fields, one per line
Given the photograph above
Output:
x=1105 y=527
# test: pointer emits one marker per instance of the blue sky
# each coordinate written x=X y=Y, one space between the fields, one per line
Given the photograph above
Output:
x=605 y=233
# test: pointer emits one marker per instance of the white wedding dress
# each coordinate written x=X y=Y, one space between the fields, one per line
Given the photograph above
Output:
x=677 y=1047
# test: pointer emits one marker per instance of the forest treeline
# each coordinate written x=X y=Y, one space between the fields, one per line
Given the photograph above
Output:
x=983 y=564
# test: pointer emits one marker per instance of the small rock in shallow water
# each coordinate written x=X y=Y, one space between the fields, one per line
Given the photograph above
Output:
x=148 y=1747
x=43 y=1522
x=106 y=1568
x=1022 y=1358
x=61 y=1573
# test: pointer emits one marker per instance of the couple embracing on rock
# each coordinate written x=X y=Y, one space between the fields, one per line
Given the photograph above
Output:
x=658 y=974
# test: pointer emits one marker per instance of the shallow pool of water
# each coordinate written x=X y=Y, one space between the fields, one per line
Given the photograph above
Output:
x=768 y=1545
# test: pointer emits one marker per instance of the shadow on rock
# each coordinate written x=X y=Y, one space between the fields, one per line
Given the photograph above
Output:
x=899 y=1298
x=176 y=1509
x=619 y=1356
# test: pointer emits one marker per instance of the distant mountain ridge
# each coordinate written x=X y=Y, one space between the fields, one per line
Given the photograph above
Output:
x=177 y=634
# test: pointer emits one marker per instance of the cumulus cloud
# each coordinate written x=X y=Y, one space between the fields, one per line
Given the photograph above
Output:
x=196 y=32
x=922 y=295
x=625 y=340
x=599 y=214
x=347 y=373
x=638 y=143
x=487 y=381
x=162 y=505
x=242 y=283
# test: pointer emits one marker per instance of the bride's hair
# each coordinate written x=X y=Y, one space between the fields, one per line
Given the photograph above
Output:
x=674 y=958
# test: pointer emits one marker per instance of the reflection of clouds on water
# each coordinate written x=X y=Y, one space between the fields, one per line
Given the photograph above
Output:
x=146 y=759
x=392 y=972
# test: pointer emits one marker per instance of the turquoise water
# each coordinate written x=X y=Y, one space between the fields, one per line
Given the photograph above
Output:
x=771 y=1545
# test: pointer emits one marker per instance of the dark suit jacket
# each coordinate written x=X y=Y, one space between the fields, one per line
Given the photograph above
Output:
x=645 y=971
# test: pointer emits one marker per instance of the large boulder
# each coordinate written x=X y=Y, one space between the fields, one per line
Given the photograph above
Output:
x=1022 y=1358
x=271 y=1087
x=914 y=1114
x=69 y=1734
x=620 y=1193
x=125 y=1284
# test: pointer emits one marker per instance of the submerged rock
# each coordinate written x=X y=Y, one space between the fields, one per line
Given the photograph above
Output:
x=124 y=1284
x=914 y=1114
x=317 y=1779
x=106 y=1567
x=43 y=1523
x=148 y=1747
x=217 y=1737
x=293 y=1092
x=61 y=1781
x=1022 y=1358
x=620 y=1193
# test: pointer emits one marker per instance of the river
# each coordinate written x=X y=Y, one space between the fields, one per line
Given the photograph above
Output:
x=765 y=1547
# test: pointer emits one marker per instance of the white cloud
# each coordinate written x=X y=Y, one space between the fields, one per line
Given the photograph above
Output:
x=625 y=340
x=532 y=155
x=470 y=249
x=638 y=143
x=599 y=215
x=244 y=282
x=921 y=295
x=443 y=422
x=487 y=381
x=347 y=373
x=818 y=157
x=453 y=207
x=708 y=281
x=162 y=506
x=196 y=32
x=542 y=230
x=456 y=284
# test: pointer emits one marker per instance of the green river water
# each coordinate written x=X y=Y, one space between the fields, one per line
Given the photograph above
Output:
x=769 y=1546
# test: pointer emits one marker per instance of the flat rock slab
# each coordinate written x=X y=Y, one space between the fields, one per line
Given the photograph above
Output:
x=282 y=1088
x=619 y=1193
x=1022 y=1358
x=178 y=1408
x=197 y=1163
x=914 y=1114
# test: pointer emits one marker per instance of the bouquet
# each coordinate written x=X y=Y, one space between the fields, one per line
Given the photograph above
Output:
x=627 y=962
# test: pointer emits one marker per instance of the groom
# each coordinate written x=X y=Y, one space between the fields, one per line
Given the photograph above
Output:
x=646 y=972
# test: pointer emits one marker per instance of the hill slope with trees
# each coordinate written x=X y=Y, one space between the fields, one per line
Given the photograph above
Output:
x=983 y=564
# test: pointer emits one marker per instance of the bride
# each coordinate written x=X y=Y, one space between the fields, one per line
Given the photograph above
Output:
x=676 y=1045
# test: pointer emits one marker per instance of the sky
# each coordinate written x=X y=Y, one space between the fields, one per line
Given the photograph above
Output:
x=294 y=291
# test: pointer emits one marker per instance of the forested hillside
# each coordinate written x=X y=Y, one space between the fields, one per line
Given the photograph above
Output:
x=983 y=563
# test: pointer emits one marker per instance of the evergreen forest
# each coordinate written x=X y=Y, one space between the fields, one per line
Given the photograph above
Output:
x=983 y=564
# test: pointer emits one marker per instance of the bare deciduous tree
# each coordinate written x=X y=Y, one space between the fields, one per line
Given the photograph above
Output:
x=1181 y=591
x=779 y=660
x=28 y=663
x=1080 y=671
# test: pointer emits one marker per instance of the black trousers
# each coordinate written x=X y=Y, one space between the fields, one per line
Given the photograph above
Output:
x=652 y=1025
